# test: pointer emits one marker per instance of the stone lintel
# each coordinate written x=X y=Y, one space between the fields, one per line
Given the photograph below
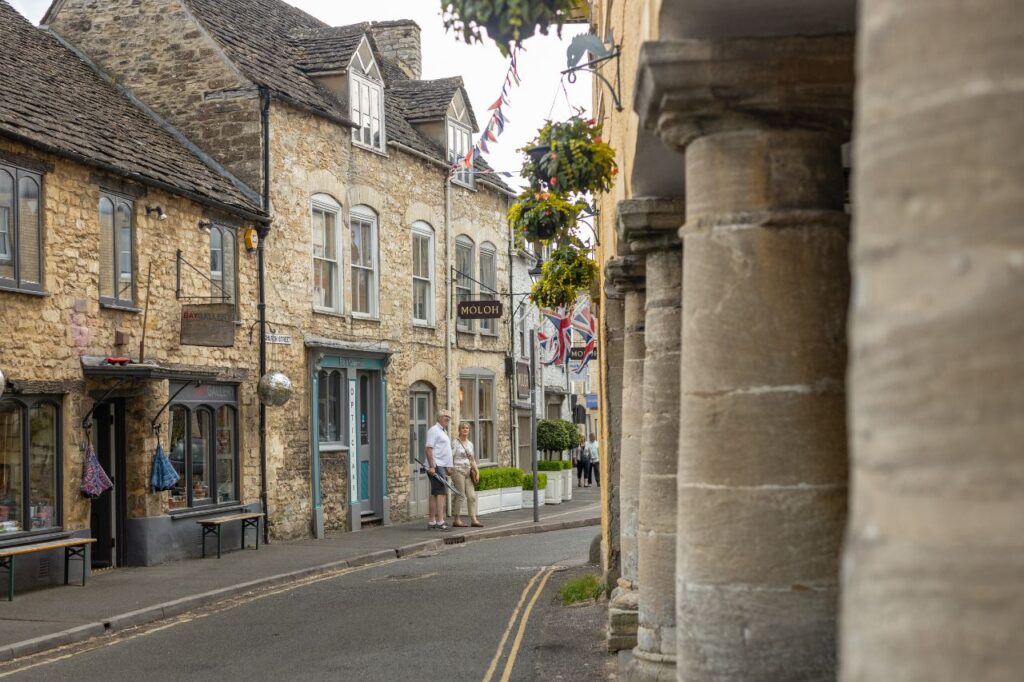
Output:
x=650 y=223
x=690 y=88
x=623 y=274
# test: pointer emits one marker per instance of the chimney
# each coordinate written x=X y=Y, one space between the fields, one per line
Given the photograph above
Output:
x=399 y=41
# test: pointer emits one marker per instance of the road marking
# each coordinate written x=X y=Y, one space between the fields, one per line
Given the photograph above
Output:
x=117 y=638
x=511 y=624
x=522 y=624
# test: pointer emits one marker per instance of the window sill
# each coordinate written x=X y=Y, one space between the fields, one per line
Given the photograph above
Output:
x=374 y=150
x=332 y=447
x=424 y=325
x=120 y=307
x=467 y=186
x=365 y=318
x=327 y=312
x=193 y=512
x=13 y=289
x=28 y=537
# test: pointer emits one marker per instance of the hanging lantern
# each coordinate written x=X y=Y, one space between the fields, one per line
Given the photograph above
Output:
x=3 y=383
x=274 y=389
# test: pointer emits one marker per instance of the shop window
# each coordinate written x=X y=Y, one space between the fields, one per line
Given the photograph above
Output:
x=488 y=283
x=477 y=407
x=203 y=448
x=422 y=274
x=330 y=407
x=117 y=283
x=30 y=463
x=421 y=401
x=21 y=248
x=464 y=276
x=326 y=254
x=363 y=226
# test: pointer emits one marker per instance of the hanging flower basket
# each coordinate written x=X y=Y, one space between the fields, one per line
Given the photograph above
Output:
x=568 y=271
x=570 y=157
x=543 y=216
x=507 y=22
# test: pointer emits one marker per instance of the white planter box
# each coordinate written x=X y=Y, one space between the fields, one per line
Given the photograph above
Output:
x=528 y=498
x=554 y=488
x=488 y=501
x=511 y=499
x=568 y=478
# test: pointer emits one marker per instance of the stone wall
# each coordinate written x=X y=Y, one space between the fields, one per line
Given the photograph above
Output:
x=159 y=52
x=400 y=41
x=45 y=336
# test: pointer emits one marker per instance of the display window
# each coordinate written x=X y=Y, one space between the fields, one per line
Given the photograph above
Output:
x=30 y=459
x=203 y=447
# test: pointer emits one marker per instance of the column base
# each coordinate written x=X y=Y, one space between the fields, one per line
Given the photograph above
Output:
x=623 y=618
x=648 y=667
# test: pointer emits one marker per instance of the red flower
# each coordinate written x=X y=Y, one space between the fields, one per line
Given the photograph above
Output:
x=598 y=139
x=591 y=122
x=554 y=181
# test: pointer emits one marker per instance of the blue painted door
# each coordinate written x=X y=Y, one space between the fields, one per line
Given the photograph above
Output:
x=368 y=442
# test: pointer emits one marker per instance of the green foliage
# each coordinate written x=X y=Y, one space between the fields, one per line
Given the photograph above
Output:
x=566 y=464
x=569 y=271
x=507 y=22
x=542 y=481
x=500 y=477
x=543 y=216
x=550 y=437
x=549 y=465
x=572 y=435
x=576 y=161
x=583 y=588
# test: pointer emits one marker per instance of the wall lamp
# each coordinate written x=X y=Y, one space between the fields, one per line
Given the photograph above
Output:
x=205 y=225
x=160 y=215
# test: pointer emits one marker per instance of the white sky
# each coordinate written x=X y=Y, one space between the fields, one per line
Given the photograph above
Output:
x=481 y=66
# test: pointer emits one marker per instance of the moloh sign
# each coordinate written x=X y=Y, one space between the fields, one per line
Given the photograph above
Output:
x=479 y=310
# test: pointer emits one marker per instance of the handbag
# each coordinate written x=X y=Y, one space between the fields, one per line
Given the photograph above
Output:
x=474 y=475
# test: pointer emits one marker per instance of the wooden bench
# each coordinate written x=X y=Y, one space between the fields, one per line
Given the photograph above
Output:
x=212 y=527
x=73 y=548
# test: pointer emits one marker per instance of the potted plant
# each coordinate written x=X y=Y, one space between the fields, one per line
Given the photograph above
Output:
x=544 y=216
x=570 y=157
x=568 y=271
x=542 y=488
x=553 y=470
x=507 y=22
x=499 y=490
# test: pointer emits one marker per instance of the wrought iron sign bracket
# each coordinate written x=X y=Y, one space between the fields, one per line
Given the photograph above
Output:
x=602 y=52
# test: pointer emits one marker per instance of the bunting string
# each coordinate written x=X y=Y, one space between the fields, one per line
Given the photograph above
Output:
x=496 y=125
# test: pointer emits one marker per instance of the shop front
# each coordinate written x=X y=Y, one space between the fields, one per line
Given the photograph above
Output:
x=349 y=444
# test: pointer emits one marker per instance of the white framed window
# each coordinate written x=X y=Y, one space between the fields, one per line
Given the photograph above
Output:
x=464 y=276
x=117 y=284
x=363 y=235
x=488 y=283
x=331 y=400
x=459 y=142
x=477 y=406
x=366 y=94
x=422 y=273
x=326 y=219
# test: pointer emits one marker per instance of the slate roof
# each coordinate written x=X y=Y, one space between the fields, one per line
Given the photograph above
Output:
x=327 y=49
x=51 y=99
x=429 y=100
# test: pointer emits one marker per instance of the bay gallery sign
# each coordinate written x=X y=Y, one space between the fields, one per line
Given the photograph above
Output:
x=208 y=324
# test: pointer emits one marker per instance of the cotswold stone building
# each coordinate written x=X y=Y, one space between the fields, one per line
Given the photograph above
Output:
x=110 y=223
x=824 y=478
x=372 y=240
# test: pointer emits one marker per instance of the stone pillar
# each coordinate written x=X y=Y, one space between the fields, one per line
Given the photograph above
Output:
x=624 y=277
x=933 y=579
x=610 y=361
x=651 y=226
x=762 y=469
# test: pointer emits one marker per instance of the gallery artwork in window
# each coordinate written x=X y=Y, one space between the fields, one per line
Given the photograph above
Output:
x=21 y=249
x=29 y=465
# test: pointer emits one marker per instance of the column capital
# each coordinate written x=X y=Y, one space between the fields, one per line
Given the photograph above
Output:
x=650 y=223
x=623 y=274
x=691 y=88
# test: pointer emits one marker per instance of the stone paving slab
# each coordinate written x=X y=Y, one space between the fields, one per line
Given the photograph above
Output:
x=115 y=599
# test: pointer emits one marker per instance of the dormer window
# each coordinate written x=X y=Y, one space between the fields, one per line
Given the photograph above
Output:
x=366 y=93
x=460 y=139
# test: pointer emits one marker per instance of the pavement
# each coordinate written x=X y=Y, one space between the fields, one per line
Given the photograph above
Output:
x=117 y=599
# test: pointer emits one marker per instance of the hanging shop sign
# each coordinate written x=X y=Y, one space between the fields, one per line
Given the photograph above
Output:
x=577 y=353
x=208 y=324
x=479 y=310
x=522 y=381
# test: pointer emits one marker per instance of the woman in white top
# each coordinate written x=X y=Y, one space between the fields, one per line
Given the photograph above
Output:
x=464 y=460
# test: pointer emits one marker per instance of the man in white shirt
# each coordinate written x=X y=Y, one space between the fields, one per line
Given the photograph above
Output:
x=439 y=461
x=595 y=458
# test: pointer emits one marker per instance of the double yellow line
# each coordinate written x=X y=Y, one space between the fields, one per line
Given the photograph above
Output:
x=539 y=579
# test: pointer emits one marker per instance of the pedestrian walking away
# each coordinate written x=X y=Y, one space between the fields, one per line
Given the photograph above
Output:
x=595 y=458
x=582 y=462
x=439 y=463
x=465 y=476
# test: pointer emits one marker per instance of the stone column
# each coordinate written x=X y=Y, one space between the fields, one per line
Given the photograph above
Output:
x=610 y=360
x=650 y=226
x=624 y=277
x=762 y=469
x=933 y=583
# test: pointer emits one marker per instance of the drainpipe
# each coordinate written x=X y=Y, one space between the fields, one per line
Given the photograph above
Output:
x=511 y=378
x=448 y=290
x=262 y=305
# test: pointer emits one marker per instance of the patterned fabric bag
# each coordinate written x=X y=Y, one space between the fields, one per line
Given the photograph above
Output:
x=164 y=476
x=95 y=481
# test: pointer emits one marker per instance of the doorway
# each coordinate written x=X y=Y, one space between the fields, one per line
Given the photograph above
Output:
x=421 y=411
x=109 y=511
x=368 y=453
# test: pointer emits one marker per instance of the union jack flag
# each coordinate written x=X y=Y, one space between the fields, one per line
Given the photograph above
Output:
x=557 y=344
x=583 y=322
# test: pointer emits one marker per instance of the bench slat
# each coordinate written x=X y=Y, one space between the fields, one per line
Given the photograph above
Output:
x=226 y=519
x=45 y=546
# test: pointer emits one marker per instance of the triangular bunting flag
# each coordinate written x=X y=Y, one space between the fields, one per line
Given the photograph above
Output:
x=497 y=104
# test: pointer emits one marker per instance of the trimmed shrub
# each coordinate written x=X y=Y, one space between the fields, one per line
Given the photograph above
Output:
x=550 y=436
x=500 y=477
x=549 y=465
x=566 y=464
x=572 y=434
x=542 y=481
